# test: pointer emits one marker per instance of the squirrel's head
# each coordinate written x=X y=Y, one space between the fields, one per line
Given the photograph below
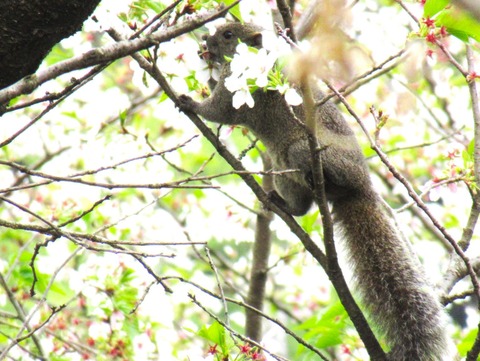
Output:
x=225 y=39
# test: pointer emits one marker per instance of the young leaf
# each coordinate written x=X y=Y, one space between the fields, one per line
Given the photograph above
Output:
x=433 y=7
x=216 y=334
x=328 y=329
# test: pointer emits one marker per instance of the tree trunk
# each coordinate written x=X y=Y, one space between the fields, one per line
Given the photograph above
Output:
x=30 y=28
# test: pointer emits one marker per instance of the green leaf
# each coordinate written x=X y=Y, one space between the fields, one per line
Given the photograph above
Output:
x=125 y=299
x=459 y=24
x=328 y=329
x=25 y=274
x=216 y=334
x=128 y=275
x=131 y=326
x=235 y=11
x=145 y=79
x=467 y=155
x=123 y=117
x=58 y=54
x=156 y=6
x=59 y=293
x=467 y=342
x=125 y=305
x=433 y=7
x=308 y=221
x=163 y=97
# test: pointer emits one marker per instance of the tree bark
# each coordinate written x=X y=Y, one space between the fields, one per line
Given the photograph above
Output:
x=261 y=253
x=30 y=28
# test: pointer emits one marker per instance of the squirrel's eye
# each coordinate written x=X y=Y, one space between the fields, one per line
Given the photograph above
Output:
x=228 y=34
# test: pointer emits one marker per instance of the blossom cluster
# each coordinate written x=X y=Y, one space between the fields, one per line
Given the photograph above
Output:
x=258 y=68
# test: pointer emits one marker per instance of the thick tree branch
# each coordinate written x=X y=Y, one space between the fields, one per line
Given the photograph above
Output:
x=475 y=211
x=333 y=269
x=105 y=54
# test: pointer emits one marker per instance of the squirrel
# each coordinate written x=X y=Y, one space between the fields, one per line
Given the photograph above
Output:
x=389 y=279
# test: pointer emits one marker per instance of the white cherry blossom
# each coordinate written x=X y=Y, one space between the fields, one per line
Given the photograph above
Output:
x=292 y=97
x=241 y=97
x=251 y=68
x=290 y=94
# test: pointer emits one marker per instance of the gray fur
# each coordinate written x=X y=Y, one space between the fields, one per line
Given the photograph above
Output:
x=393 y=288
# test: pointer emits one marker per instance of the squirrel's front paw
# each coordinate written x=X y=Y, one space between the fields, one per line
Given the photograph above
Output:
x=186 y=103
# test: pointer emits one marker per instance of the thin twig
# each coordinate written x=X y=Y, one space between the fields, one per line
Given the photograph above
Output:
x=219 y=285
x=367 y=76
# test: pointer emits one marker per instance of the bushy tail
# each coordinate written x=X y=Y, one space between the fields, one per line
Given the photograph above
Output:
x=390 y=280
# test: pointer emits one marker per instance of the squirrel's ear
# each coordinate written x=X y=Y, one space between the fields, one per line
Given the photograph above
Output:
x=255 y=40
